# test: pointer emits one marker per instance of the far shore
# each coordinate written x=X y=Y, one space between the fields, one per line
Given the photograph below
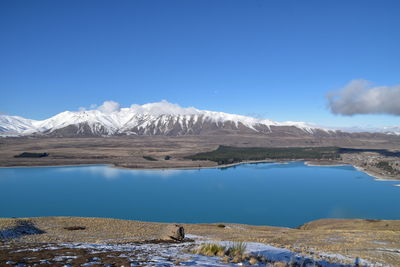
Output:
x=150 y=168
x=131 y=153
x=373 y=174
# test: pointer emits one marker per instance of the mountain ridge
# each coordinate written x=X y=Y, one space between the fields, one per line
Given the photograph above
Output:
x=159 y=118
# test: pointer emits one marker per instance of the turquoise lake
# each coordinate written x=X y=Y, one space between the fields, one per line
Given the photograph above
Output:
x=260 y=194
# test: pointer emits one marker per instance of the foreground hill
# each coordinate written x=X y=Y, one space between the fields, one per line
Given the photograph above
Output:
x=91 y=241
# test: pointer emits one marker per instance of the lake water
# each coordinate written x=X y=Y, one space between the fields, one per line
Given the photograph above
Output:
x=260 y=194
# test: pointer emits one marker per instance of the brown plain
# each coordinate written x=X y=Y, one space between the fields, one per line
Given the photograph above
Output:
x=128 y=152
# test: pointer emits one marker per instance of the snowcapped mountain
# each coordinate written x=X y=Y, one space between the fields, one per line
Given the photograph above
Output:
x=161 y=118
x=389 y=130
x=394 y=130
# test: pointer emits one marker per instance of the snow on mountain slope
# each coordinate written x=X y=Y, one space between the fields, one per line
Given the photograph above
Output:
x=389 y=130
x=393 y=130
x=12 y=125
x=160 y=118
x=95 y=119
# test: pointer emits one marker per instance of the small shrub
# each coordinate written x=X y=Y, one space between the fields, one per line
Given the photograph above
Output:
x=74 y=228
x=211 y=249
x=221 y=226
x=234 y=252
x=167 y=157
x=236 y=249
x=149 y=158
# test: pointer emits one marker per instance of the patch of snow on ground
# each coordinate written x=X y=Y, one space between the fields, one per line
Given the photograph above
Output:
x=63 y=258
x=269 y=252
x=173 y=254
x=164 y=254
x=275 y=254
x=235 y=227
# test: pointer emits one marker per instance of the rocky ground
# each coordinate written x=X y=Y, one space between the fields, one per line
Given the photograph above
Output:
x=59 y=241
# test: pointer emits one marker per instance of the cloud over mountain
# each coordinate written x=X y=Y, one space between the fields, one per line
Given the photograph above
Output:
x=360 y=97
x=109 y=106
x=164 y=107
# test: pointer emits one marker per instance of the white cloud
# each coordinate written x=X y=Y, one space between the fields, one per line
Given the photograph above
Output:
x=157 y=108
x=164 y=107
x=360 y=97
x=92 y=106
x=109 y=106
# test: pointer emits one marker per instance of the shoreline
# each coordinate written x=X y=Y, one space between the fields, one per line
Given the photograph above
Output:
x=55 y=166
x=315 y=164
x=150 y=169
x=376 y=176
x=116 y=166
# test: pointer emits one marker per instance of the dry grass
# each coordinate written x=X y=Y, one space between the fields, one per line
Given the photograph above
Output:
x=236 y=249
x=211 y=249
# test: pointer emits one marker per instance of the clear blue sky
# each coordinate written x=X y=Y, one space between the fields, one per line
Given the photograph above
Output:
x=275 y=59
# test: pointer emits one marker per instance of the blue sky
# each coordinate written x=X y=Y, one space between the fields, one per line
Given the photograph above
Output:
x=271 y=59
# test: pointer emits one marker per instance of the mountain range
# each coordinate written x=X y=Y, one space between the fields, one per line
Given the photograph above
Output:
x=162 y=118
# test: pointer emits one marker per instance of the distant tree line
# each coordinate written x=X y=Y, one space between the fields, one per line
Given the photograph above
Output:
x=384 y=165
x=229 y=154
x=31 y=155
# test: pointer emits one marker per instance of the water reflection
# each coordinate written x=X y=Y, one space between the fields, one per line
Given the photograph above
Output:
x=110 y=172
